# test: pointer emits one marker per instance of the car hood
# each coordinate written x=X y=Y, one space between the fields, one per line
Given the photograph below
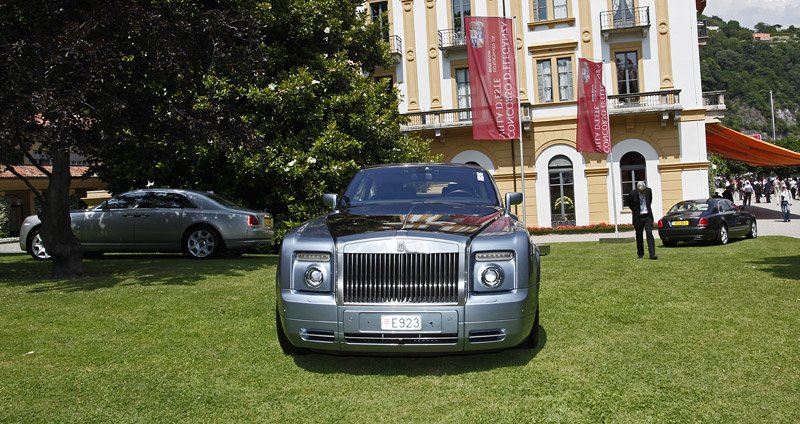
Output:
x=453 y=218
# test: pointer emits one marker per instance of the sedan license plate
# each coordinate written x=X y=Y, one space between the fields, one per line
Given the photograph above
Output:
x=401 y=322
x=680 y=223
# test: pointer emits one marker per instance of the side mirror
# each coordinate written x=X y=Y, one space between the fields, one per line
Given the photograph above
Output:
x=330 y=199
x=513 y=198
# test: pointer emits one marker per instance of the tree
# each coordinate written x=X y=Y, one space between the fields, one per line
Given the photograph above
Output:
x=285 y=111
x=268 y=103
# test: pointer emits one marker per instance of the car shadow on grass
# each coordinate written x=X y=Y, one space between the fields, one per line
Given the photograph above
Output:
x=787 y=267
x=413 y=366
x=130 y=269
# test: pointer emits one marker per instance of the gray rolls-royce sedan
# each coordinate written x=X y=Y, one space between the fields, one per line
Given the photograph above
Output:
x=411 y=259
x=198 y=224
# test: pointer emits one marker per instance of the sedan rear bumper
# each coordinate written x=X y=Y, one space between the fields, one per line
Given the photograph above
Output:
x=687 y=233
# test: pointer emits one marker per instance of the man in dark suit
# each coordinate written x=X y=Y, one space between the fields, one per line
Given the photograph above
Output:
x=640 y=201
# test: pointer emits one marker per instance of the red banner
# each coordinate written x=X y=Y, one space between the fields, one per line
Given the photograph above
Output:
x=493 y=78
x=594 y=133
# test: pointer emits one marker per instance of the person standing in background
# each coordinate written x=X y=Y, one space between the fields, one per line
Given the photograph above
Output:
x=728 y=193
x=767 y=188
x=748 y=192
x=640 y=202
x=793 y=187
x=785 y=200
x=776 y=188
x=757 y=190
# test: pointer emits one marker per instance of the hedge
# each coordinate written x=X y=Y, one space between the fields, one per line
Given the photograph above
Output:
x=582 y=229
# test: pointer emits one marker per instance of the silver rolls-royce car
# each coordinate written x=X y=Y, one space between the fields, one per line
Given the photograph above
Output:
x=199 y=224
x=411 y=259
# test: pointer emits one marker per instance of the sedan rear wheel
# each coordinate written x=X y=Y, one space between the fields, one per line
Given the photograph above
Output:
x=753 y=230
x=36 y=247
x=202 y=243
x=669 y=243
x=722 y=235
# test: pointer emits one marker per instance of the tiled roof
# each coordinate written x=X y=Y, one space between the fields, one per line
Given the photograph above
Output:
x=30 y=171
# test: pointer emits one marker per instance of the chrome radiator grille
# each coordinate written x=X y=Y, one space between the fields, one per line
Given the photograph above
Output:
x=400 y=277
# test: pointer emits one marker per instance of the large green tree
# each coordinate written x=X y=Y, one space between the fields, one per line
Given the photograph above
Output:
x=286 y=111
x=270 y=103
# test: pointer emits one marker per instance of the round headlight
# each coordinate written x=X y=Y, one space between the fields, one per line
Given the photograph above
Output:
x=314 y=277
x=492 y=277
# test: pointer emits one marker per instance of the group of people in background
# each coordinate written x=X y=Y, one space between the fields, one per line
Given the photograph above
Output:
x=771 y=188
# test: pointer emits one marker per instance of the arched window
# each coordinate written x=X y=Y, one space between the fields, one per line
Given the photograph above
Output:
x=634 y=169
x=562 y=191
x=474 y=157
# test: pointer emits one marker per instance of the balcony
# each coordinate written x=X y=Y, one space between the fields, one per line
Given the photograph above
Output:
x=625 y=20
x=662 y=102
x=702 y=32
x=450 y=118
x=653 y=101
x=396 y=47
x=452 y=40
x=714 y=103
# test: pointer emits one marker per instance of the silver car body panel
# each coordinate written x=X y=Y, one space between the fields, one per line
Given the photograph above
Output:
x=479 y=319
x=161 y=229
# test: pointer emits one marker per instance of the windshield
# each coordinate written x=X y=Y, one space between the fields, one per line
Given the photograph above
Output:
x=690 y=206
x=422 y=184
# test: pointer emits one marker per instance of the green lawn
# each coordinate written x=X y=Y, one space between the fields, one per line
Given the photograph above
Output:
x=704 y=334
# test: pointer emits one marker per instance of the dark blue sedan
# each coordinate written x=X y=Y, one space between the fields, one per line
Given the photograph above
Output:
x=713 y=219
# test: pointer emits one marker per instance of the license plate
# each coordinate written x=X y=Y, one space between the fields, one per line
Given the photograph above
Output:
x=680 y=223
x=401 y=322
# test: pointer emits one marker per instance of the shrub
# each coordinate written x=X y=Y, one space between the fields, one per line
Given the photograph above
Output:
x=582 y=229
x=5 y=211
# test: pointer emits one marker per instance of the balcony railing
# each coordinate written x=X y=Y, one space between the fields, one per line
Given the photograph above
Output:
x=628 y=19
x=396 y=46
x=653 y=101
x=714 y=103
x=448 y=118
x=714 y=99
x=702 y=32
x=452 y=39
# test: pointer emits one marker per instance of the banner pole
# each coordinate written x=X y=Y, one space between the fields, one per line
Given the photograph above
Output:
x=613 y=192
x=519 y=121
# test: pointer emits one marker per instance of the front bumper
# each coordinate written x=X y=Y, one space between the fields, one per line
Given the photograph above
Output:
x=483 y=323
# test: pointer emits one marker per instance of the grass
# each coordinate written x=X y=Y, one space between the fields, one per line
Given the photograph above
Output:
x=704 y=334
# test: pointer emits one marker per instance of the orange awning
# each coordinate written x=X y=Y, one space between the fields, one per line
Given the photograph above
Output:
x=737 y=146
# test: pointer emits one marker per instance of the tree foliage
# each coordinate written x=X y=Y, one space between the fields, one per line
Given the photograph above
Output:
x=269 y=103
x=747 y=70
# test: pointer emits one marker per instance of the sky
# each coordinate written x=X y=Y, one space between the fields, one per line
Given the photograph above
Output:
x=750 y=12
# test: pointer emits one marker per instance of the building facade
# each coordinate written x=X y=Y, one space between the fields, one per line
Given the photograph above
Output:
x=650 y=55
x=22 y=200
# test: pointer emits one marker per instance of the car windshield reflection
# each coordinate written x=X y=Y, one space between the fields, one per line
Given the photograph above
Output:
x=421 y=184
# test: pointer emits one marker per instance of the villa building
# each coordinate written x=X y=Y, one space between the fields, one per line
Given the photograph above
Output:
x=658 y=112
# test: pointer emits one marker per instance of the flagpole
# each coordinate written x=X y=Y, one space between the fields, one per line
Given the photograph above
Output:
x=519 y=121
x=613 y=192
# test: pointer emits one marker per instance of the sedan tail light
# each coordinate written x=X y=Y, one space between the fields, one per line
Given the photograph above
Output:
x=252 y=220
x=702 y=222
x=660 y=223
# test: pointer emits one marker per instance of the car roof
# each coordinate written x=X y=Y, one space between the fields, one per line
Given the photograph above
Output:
x=438 y=164
x=169 y=190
